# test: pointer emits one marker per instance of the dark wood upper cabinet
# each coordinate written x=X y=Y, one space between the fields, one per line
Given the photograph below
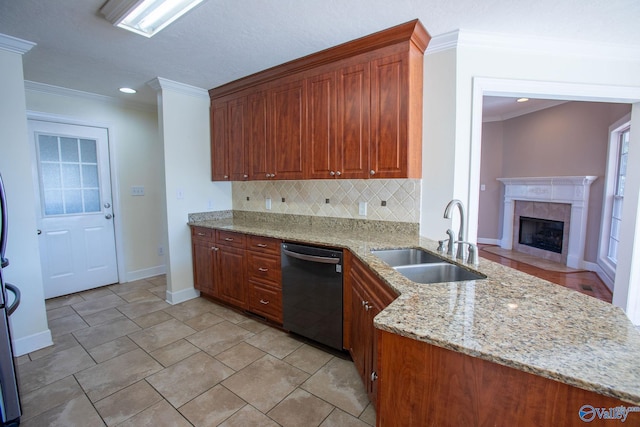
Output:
x=288 y=116
x=351 y=111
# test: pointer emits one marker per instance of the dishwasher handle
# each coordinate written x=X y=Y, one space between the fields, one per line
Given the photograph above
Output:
x=311 y=258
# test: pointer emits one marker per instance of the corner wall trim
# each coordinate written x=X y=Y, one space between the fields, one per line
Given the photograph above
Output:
x=31 y=343
x=181 y=296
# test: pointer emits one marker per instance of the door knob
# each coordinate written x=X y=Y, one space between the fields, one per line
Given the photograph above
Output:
x=108 y=216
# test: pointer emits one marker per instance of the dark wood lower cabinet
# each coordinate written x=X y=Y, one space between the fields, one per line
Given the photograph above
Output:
x=232 y=277
x=423 y=385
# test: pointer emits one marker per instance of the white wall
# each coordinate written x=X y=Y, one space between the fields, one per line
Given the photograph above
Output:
x=552 y=64
x=136 y=159
x=29 y=322
x=184 y=128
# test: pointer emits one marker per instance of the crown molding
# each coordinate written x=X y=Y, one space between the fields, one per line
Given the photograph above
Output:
x=160 y=84
x=63 y=91
x=533 y=45
x=14 y=44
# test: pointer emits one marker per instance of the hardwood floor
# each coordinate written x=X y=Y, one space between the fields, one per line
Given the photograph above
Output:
x=586 y=282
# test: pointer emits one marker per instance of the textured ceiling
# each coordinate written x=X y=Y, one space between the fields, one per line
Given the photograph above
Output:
x=222 y=40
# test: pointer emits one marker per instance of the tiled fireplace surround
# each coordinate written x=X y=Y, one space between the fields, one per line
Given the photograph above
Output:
x=558 y=198
x=387 y=199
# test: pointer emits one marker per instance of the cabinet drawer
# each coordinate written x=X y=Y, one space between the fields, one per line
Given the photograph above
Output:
x=264 y=268
x=202 y=233
x=266 y=301
x=229 y=238
x=263 y=244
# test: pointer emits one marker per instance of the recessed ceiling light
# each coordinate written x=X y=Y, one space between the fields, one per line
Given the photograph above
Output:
x=127 y=90
x=522 y=99
x=146 y=17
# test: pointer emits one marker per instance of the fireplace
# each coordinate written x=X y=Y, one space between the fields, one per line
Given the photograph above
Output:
x=555 y=199
x=541 y=233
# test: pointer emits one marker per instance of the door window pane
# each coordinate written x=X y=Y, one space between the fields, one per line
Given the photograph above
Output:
x=69 y=149
x=69 y=173
x=48 y=148
x=88 y=151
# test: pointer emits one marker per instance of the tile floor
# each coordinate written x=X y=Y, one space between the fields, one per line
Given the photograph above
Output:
x=123 y=356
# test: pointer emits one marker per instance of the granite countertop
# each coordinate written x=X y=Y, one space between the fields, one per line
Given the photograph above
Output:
x=510 y=318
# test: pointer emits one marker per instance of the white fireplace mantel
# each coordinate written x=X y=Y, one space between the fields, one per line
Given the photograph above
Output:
x=573 y=190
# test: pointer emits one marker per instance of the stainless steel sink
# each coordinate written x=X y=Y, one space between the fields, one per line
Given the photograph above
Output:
x=437 y=272
x=406 y=256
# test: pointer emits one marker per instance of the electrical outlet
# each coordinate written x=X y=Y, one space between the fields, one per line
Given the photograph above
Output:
x=267 y=204
x=210 y=204
x=179 y=193
x=362 y=208
x=160 y=251
x=137 y=190
x=483 y=187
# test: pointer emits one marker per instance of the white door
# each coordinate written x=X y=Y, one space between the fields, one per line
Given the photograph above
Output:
x=77 y=240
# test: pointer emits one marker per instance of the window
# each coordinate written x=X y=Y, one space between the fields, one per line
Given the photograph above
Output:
x=613 y=197
x=618 y=194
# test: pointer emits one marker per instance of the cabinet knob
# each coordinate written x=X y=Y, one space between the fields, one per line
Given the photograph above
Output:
x=245 y=176
x=213 y=248
x=226 y=177
x=338 y=173
x=332 y=173
x=374 y=376
x=372 y=172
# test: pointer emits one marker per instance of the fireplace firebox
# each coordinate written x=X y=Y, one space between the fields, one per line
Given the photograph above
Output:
x=541 y=233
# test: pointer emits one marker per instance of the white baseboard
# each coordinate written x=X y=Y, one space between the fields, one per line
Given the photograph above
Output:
x=31 y=343
x=181 y=296
x=486 y=241
x=145 y=273
x=592 y=266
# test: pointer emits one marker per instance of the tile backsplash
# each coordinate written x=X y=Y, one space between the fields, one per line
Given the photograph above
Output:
x=387 y=199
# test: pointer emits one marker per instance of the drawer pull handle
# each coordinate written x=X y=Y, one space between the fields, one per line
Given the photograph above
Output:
x=228 y=239
x=262 y=269
x=264 y=302
x=201 y=234
x=261 y=245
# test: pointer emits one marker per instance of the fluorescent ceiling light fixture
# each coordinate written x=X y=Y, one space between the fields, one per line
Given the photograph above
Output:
x=522 y=99
x=146 y=17
x=127 y=90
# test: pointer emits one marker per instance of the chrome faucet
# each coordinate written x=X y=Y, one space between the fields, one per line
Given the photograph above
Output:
x=461 y=231
x=462 y=238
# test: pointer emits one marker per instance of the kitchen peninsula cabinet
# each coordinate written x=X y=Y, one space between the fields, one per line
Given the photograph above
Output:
x=368 y=296
x=351 y=111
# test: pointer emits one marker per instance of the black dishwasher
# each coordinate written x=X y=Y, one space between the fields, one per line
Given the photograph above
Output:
x=312 y=293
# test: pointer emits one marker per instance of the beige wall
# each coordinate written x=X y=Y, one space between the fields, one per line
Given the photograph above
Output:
x=136 y=158
x=570 y=139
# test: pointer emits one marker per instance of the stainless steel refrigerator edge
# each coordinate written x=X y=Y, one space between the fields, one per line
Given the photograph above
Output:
x=10 y=411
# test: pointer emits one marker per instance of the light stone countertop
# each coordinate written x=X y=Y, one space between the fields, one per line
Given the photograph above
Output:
x=510 y=318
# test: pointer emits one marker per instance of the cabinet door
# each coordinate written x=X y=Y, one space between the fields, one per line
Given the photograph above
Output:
x=260 y=149
x=353 y=121
x=389 y=116
x=204 y=266
x=237 y=141
x=219 y=146
x=359 y=329
x=321 y=143
x=287 y=117
x=232 y=286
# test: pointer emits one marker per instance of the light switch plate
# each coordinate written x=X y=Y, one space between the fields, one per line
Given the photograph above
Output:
x=137 y=190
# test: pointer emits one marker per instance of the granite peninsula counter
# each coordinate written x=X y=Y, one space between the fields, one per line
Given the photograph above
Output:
x=510 y=318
